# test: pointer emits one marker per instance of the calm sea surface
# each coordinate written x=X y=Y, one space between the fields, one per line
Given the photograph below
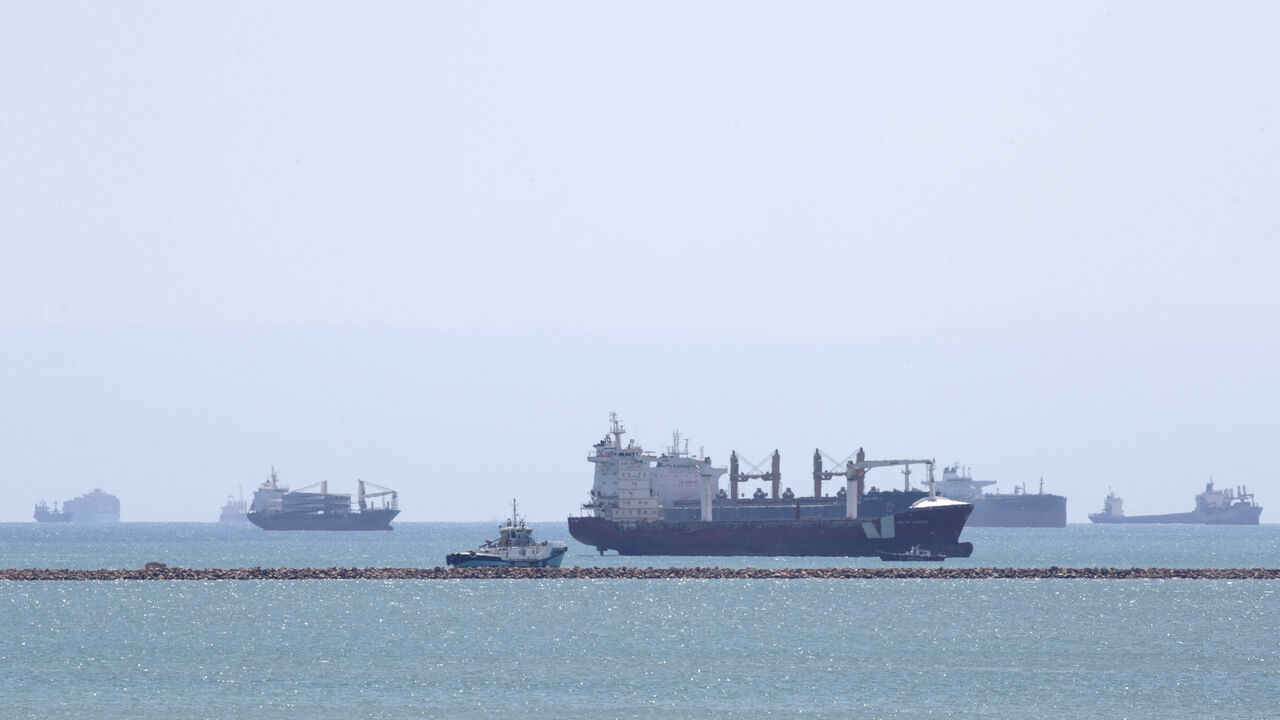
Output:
x=631 y=648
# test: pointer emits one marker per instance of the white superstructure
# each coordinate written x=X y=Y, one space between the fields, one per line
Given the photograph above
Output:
x=632 y=486
x=1212 y=499
x=1113 y=505
x=958 y=484
x=515 y=543
x=515 y=547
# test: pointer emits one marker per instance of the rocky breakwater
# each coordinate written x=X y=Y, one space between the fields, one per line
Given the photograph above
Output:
x=160 y=571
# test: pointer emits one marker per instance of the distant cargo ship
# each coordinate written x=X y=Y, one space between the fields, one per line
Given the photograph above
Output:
x=44 y=514
x=93 y=507
x=630 y=487
x=234 y=511
x=1016 y=509
x=276 y=508
x=1213 y=507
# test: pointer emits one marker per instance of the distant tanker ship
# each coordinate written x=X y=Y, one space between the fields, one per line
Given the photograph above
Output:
x=1213 y=507
x=632 y=490
x=1016 y=509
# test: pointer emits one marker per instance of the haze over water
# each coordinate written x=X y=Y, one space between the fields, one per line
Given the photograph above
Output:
x=432 y=246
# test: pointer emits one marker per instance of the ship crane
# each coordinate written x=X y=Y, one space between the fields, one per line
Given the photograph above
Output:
x=820 y=475
x=773 y=475
x=362 y=495
x=855 y=472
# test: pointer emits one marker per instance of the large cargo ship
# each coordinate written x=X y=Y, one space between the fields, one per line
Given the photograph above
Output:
x=1213 y=507
x=92 y=507
x=276 y=508
x=1017 y=509
x=632 y=490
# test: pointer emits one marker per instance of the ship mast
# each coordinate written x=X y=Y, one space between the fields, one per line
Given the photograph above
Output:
x=616 y=430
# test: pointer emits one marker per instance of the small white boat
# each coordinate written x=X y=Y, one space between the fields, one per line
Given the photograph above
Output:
x=915 y=553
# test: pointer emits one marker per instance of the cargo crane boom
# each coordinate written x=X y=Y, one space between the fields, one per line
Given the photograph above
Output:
x=855 y=472
x=362 y=495
x=773 y=475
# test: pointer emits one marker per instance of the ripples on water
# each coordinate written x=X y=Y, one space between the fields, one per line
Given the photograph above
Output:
x=588 y=649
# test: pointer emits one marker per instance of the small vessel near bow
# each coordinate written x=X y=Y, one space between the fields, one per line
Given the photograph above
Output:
x=915 y=553
x=514 y=547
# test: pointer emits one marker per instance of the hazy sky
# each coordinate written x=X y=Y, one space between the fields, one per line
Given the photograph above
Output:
x=432 y=245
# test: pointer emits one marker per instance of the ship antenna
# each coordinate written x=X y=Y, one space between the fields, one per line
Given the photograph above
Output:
x=616 y=430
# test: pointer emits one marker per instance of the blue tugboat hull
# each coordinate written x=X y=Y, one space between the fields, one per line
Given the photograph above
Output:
x=477 y=558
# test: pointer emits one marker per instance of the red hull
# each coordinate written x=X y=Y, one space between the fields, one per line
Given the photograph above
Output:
x=936 y=529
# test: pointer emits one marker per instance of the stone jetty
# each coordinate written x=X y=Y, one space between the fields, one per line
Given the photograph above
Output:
x=161 y=571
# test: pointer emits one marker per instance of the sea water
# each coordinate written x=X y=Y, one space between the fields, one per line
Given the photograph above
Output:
x=633 y=648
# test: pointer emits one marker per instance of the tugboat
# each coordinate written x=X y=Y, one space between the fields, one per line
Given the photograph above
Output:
x=913 y=554
x=513 y=548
